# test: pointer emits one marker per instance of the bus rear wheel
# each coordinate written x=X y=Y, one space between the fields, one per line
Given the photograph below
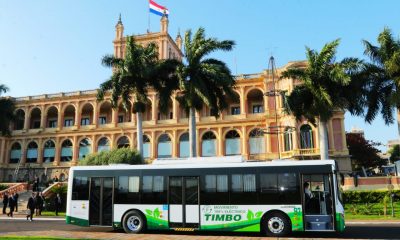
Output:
x=133 y=222
x=276 y=225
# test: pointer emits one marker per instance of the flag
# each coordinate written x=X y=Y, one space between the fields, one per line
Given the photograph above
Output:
x=158 y=9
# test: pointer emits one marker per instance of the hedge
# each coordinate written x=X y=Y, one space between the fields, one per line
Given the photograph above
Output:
x=355 y=197
x=114 y=156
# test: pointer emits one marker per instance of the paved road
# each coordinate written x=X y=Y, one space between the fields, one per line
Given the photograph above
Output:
x=60 y=229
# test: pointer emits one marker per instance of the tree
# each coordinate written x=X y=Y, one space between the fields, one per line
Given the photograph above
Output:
x=382 y=77
x=327 y=86
x=7 y=108
x=203 y=80
x=363 y=152
x=394 y=153
x=134 y=75
x=114 y=156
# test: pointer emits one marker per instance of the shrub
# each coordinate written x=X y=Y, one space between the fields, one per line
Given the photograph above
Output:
x=115 y=156
x=60 y=189
x=357 y=197
x=3 y=187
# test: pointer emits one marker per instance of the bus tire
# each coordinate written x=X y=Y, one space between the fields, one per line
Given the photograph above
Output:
x=276 y=224
x=133 y=222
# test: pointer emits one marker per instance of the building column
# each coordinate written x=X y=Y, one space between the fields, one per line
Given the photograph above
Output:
x=57 y=152
x=175 y=142
x=153 y=145
x=23 y=152
x=268 y=141
x=316 y=136
x=40 y=151
x=154 y=109
x=60 y=118
x=7 y=152
x=27 y=119
x=75 y=151
x=43 y=118
x=2 y=151
x=245 y=140
x=243 y=108
x=78 y=117
x=344 y=143
x=295 y=141
x=175 y=109
x=220 y=143
x=112 y=143
x=95 y=114
x=330 y=136
x=114 y=117
x=198 y=143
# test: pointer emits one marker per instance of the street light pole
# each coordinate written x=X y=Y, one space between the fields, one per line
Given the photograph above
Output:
x=271 y=71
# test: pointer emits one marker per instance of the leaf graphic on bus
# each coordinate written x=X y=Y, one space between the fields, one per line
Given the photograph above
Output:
x=149 y=212
x=250 y=215
x=156 y=213
x=259 y=214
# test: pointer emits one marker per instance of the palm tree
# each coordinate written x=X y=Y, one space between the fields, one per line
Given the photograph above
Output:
x=134 y=75
x=6 y=112
x=327 y=86
x=382 y=77
x=202 y=80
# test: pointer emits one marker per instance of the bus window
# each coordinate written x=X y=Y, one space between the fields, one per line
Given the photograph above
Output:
x=80 y=188
x=215 y=189
x=153 y=190
x=289 y=188
x=127 y=190
x=243 y=189
x=268 y=189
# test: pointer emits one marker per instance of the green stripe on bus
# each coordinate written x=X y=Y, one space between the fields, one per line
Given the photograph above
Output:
x=77 y=221
x=340 y=222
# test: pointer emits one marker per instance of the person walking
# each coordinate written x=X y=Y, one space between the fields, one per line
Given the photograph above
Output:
x=57 y=203
x=41 y=203
x=38 y=203
x=5 y=203
x=16 y=196
x=31 y=207
x=11 y=204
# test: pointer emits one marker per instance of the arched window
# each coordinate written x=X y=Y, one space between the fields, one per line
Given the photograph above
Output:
x=164 y=147
x=209 y=145
x=15 y=155
x=123 y=142
x=306 y=137
x=66 y=151
x=146 y=147
x=49 y=151
x=32 y=153
x=184 y=145
x=85 y=147
x=257 y=141
x=35 y=118
x=19 y=119
x=103 y=145
x=69 y=116
x=287 y=135
x=232 y=143
x=52 y=117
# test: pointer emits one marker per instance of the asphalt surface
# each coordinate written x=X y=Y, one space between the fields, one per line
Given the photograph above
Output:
x=59 y=228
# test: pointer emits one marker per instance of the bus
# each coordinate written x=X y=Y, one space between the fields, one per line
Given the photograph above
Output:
x=275 y=197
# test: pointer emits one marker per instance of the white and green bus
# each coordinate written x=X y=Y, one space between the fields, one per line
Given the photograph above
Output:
x=208 y=194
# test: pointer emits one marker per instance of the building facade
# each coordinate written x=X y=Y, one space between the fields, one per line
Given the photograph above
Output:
x=54 y=131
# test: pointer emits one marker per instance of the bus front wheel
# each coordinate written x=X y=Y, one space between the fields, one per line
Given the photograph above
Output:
x=133 y=222
x=276 y=224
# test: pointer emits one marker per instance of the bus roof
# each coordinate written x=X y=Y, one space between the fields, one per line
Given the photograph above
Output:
x=200 y=164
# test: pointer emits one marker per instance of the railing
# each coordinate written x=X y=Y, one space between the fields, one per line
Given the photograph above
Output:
x=56 y=95
x=48 y=191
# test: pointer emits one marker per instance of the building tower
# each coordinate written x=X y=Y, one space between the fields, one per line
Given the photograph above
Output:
x=119 y=34
x=164 y=24
x=178 y=40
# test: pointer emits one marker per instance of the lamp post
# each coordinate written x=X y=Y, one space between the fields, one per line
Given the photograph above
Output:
x=274 y=93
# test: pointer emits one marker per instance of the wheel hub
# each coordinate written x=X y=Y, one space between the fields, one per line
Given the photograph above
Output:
x=276 y=225
x=133 y=223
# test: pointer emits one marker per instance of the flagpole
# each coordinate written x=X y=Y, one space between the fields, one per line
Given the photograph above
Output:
x=148 y=19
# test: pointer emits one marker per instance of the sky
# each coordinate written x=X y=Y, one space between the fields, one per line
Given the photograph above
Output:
x=49 y=46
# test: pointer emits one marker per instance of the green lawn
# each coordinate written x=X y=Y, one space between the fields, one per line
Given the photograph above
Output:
x=371 y=211
x=36 y=237
x=53 y=214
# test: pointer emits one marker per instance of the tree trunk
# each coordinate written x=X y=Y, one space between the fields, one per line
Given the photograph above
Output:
x=323 y=140
x=139 y=133
x=192 y=132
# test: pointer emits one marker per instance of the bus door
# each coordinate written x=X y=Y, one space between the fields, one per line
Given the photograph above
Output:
x=101 y=201
x=318 y=202
x=184 y=202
